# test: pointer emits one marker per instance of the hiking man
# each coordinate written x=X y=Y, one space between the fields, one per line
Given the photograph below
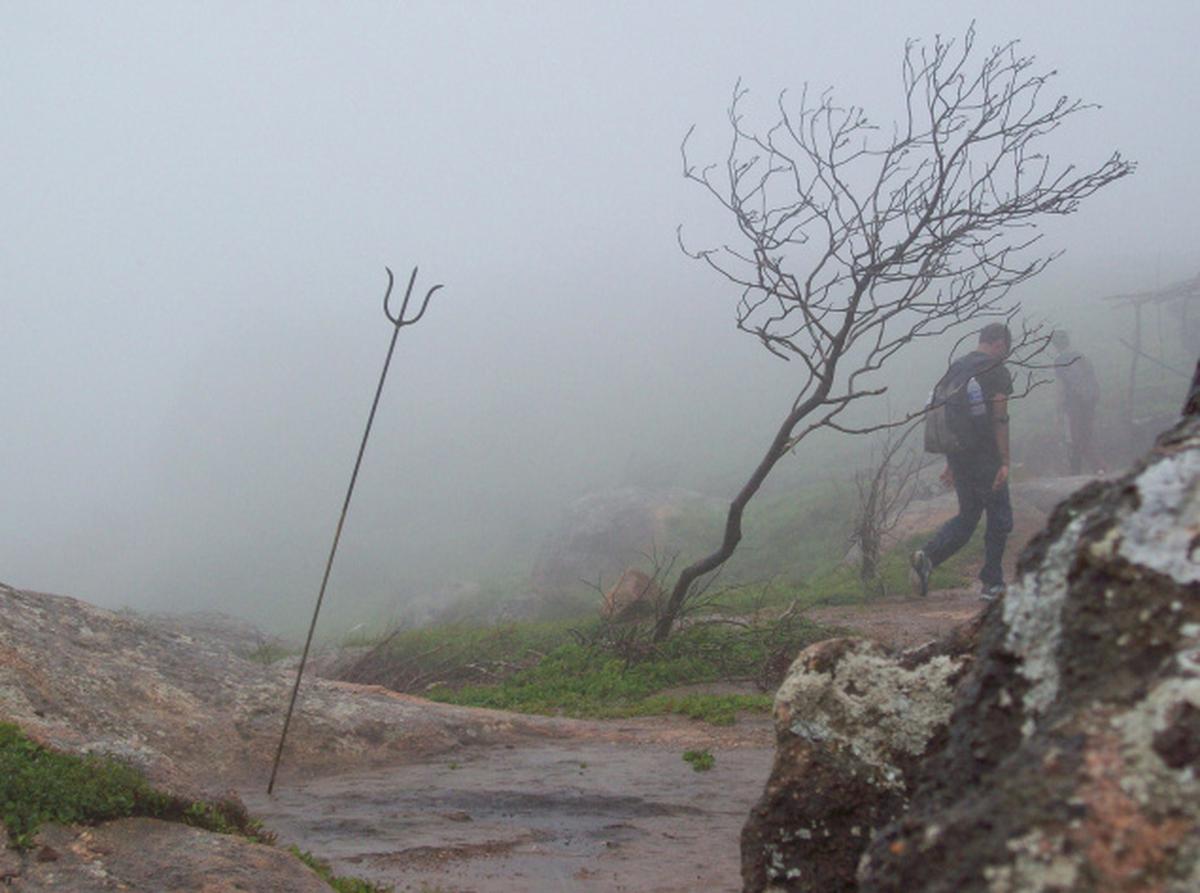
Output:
x=978 y=468
x=1078 y=393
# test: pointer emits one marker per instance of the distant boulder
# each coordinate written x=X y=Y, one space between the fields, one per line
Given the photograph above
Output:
x=634 y=595
x=603 y=533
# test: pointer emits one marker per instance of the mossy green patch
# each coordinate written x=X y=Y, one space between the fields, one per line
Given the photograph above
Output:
x=340 y=883
x=701 y=760
x=268 y=653
x=39 y=785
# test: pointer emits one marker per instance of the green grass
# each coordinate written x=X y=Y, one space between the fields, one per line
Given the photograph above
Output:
x=788 y=535
x=340 y=883
x=701 y=760
x=39 y=786
x=462 y=642
x=268 y=653
x=717 y=710
x=837 y=584
x=842 y=585
x=592 y=681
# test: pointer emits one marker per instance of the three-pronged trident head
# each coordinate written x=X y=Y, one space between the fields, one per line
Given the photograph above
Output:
x=398 y=319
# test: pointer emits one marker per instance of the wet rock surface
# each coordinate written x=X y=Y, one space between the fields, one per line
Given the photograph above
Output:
x=1066 y=760
x=585 y=815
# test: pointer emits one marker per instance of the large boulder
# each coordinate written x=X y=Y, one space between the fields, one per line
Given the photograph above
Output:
x=1062 y=755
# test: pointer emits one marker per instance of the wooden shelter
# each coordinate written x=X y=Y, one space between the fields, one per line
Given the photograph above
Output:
x=1172 y=316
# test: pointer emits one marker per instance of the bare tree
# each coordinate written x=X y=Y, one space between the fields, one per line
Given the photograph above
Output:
x=885 y=489
x=853 y=243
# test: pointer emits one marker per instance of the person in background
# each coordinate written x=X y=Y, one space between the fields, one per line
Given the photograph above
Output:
x=979 y=471
x=1078 y=394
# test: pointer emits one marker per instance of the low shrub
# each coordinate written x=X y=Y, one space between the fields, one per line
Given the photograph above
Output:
x=701 y=760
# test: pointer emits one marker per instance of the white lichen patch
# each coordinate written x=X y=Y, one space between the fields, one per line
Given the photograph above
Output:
x=870 y=705
x=1033 y=615
x=1148 y=779
x=1159 y=535
x=1039 y=864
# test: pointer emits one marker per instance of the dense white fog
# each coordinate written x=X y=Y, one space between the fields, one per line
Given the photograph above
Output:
x=199 y=200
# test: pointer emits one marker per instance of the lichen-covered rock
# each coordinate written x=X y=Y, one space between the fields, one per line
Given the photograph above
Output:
x=852 y=721
x=1063 y=755
x=1072 y=759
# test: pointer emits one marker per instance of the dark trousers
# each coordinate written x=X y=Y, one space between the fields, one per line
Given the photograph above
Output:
x=1081 y=419
x=973 y=484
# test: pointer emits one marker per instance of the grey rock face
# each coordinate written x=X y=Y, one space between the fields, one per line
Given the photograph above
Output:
x=192 y=713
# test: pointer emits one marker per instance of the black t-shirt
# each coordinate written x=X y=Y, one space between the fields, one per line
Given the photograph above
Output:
x=994 y=380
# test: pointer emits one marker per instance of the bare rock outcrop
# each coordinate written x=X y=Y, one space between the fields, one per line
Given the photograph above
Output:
x=1061 y=754
x=193 y=713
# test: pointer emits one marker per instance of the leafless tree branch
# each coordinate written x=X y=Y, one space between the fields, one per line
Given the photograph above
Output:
x=852 y=243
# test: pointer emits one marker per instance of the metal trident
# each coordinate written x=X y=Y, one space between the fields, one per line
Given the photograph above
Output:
x=398 y=322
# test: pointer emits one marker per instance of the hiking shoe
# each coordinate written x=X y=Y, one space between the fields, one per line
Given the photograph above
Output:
x=992 y=591
x=922 y=567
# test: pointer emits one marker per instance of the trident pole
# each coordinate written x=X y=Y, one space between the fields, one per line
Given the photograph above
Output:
x=398 y=321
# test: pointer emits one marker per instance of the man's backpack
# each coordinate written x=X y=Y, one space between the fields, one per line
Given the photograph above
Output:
x=956 y=407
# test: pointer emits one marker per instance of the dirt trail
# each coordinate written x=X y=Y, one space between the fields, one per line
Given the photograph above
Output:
x=903 y=622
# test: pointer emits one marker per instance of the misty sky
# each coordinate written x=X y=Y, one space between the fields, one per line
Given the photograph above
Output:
x=198 y=201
